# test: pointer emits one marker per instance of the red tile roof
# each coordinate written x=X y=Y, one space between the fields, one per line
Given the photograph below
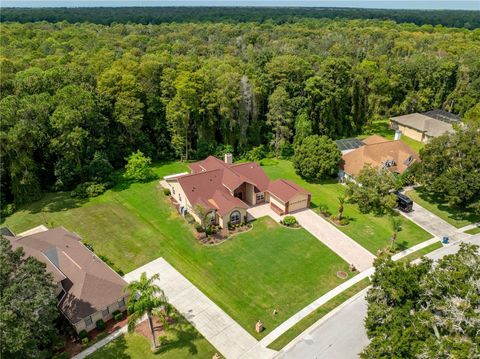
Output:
x=285 y=189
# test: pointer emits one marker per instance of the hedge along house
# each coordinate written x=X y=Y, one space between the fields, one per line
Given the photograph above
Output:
x=225 y=191
x=395 y=156
x=87 y=289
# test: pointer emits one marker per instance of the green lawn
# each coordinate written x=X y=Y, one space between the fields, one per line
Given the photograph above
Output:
x=475 y=230
x=382 y=128
x=420 y=253
x=270 y=267
x=372 y=232
x=187 y=343
x=316 y=315
x=455 y=216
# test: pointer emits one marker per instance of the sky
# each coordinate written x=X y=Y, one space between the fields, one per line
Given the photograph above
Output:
x=383 y=4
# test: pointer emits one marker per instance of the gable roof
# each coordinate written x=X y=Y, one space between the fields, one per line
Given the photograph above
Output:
x=285 y=190
x=377 y=154
x=425 y=124
x=371 y=140
x=89 y=283
x=254 y=173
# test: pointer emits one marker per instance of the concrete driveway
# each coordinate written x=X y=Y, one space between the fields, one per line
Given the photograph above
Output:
x=434 y=224
x=213 y=323
x=336 y=240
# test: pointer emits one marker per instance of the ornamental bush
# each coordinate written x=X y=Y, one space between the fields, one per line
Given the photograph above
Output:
x=82 y=334
x=289 y=221
x=100 y=324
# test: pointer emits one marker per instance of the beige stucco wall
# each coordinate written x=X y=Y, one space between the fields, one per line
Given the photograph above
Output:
x=300 y=201
x=250 y=194
x=79 y=326
x=223 y=221
x=277 y=202
x=413 y=134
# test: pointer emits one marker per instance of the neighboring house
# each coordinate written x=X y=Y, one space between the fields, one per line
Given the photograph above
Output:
x=87 y=288
x=225 y=190
x=424 y=126
x=395 y=156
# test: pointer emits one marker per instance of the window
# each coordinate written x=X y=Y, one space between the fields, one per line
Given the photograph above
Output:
x=121 y=302
x=235 y=217
x=105 y=312
x=180 y=197
x=408 y=160
x=88 y=321
x=260 y=197
x=173 y=190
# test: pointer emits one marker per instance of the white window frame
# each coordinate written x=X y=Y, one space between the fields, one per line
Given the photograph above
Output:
x=235 y=214
x=121 y=303
x=261 y=196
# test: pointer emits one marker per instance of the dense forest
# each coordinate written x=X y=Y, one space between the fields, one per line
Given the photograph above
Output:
x=78 y=97
x=158 y=15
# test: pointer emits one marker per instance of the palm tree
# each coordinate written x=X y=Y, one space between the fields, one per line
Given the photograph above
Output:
x=146 y=298
x=396 y=223
x=341 y=201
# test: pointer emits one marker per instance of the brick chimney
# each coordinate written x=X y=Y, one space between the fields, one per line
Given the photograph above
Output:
x=228 y=158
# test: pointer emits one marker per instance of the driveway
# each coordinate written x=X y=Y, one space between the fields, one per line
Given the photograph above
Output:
x=341 y=333
x=212 y=322
x=336 y=240
x=434 y=224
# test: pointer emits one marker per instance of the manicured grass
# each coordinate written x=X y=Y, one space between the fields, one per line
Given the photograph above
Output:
x=372 y=232
x=382 y=128
x=420 y=253
x=269 y=267
x=320 y=312
x=187 y=343
x=475 y=230
x=455 y=216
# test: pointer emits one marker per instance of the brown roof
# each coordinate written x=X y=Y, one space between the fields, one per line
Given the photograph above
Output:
x=425 y=124
x=207 y=189
x=377 y=154
x=371 y=140
x=89 y=283
x=285 y=189
x=212 y=180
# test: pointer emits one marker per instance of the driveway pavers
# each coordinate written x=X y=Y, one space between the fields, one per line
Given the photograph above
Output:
x=212 y=322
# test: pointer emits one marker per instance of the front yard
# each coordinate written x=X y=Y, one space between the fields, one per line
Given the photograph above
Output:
x=456 y=217
x=372 y=232
x=268 y=268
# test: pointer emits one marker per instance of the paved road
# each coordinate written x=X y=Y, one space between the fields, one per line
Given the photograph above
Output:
x=336 y=240
x=212 y=322
x=434 y=224
x=341 y=334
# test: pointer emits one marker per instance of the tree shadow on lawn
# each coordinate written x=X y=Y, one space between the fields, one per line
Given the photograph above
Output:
x=456 y=213
x=51 y=202
x=181 y=335
x=115 y=350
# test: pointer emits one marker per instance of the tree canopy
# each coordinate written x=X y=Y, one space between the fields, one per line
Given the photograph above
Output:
x=28 y=305
x=72 y=93
x=425 y=310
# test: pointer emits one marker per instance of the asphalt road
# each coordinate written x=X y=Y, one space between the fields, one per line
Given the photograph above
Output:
x=342 y=335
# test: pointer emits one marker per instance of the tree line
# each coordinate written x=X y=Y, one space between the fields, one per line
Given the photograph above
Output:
x=77 y=98
x=157 y=15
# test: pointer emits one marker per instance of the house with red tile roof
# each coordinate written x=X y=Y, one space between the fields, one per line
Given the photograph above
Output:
x=225 y=191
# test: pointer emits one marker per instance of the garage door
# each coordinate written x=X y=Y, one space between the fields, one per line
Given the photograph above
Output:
x=296 y=205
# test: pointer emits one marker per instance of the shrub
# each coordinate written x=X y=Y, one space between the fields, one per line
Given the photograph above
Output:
x=111 y=264
x=289 y=221
x=138 y=167
x=83 y=334
x=99 y=169
x=118 y=316
x=344 y=221
x=211 y=230
x=100 y=324
x=89 y=189
x=189 y=218
x=85 y=341
x=167 y=192
x=323 y=208
x=62 y=355
x=199 y=228
x=8 y=209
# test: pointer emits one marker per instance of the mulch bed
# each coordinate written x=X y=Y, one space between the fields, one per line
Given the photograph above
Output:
x=342 y=275
x=144 y=328
x=73 y=346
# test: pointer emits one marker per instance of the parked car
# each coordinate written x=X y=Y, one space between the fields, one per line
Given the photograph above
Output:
x=404 y=203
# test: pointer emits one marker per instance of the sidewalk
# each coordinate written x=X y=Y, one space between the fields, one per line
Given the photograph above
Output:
x=101 y=343
x=212 y=322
